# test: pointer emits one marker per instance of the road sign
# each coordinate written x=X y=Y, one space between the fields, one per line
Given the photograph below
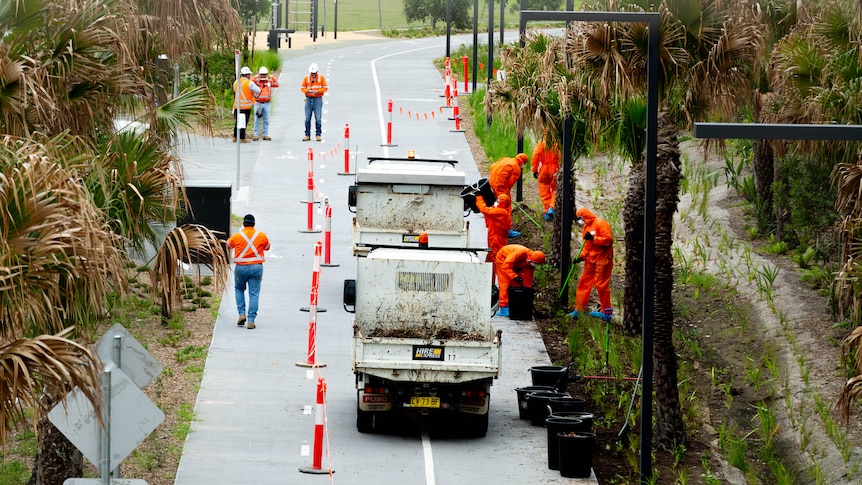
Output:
x=133 y=418
x=138 y=364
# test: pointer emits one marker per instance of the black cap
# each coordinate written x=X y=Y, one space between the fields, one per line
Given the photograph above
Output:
x=248 y=220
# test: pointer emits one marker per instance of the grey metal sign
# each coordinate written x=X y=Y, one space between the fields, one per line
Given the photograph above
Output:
x=138 y=364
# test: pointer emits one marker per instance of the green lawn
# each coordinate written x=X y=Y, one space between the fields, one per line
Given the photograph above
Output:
x=363 y=14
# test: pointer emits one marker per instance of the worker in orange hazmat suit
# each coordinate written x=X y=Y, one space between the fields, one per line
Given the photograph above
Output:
x=597 y=254
x=515 y=264
x=498 y=219
x=502 y=176
x=544 y=165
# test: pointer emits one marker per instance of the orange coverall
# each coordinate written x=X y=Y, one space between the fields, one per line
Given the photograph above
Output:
x=499 y=221
x=545 y=163
x=598 y=256
x=514 y=260
x=503 y=174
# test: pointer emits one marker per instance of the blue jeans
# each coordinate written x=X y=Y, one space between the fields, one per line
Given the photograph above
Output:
x=261 y=117
x=250 y=274
x=314 y=105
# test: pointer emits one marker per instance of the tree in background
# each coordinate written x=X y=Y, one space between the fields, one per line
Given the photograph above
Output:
x=515 y=5
x=434 y=10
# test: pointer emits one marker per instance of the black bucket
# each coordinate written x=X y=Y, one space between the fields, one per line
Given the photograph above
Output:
x=549 y=375
x=576 y=454
x=469 y=196
x=565 y=404
x=520 y=303
x=586 y=417
x=537 y=405
x=522 y=392
x=559 y=425
x=485 y=190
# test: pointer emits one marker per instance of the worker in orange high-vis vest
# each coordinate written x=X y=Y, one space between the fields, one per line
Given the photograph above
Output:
x=515 y=265
x=266 y=83
x=245 y=99
x=314 y=87
x=502 y=176
x=597 y=254
x=248 y=247
x=498 y=219
x=544 y=165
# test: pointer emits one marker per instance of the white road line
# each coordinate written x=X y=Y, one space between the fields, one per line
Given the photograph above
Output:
x=429 y=459
x=377 y=90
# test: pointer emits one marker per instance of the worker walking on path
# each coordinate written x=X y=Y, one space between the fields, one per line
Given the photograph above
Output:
x=266 y=83
x=314 y=87
x=515 y=264
x=502 y=176
x=544 y=165
x=248 y=246
x=597 y=254
x=498 y=219
x=245 y=92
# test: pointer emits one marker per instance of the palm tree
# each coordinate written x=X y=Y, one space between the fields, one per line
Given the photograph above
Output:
x=68 y=69
x=706 y=52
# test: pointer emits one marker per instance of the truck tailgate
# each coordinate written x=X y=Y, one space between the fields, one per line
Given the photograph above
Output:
x=422 y=360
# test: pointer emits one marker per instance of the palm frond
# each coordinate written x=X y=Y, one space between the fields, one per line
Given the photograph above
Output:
x=54 y=364
x=189 y=242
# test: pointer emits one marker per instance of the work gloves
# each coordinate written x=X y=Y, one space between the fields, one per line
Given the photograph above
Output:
x=519 y=280
x=579 y=260
x=535 y=175
x=588 y=236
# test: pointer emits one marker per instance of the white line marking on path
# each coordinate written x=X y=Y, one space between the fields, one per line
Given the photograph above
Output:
x=429 y=458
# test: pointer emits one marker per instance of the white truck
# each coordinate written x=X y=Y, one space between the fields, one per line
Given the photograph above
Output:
x=423 y=344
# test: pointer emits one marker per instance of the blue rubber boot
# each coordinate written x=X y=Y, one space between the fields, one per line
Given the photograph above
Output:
x=514 y=233
x=503 y=311
x=573 y=314
x=598 y=315
x=549 y=216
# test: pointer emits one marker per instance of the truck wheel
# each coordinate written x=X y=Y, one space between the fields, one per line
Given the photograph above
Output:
x=364 y=421
x=477 y=425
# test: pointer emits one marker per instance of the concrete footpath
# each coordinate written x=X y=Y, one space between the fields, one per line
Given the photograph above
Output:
x=254 y=415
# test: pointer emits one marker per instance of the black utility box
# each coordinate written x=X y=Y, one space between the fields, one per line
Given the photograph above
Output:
x=209 y=206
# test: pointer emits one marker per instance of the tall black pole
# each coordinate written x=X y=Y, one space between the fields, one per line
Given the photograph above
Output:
x=490 y=52
x=649 y=251
x=502 y=21
x=566 y=212
x=335 y=21
x=519 y=192
x=475 y=42
x=314 y=20
x=448 y=26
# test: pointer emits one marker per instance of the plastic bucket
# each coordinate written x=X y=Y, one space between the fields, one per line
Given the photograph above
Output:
x=522 y=392
x=487 y=193
x=548 y=375
x=469 y=196
x=537 y=405
x=557 y=425
x=576 y=453
x=565 y=404
x=520 y=303
x=586 y=417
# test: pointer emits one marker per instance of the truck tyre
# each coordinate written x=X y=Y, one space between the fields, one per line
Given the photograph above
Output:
x=477 y=425
x=364 y=421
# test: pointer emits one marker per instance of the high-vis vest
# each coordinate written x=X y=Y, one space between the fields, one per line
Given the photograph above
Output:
x=246 y=97
x=250 y=254
x=266 y=85
x=318 y=85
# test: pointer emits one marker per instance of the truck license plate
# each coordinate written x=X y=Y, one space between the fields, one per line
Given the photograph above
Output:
x=424 y=402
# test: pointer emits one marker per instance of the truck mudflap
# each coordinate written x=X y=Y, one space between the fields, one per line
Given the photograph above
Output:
x=420 y=360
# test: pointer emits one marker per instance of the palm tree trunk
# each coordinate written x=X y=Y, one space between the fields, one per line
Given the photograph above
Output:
x=633 y=218
x=57 y=458
x=764 y=163
x=670 y=428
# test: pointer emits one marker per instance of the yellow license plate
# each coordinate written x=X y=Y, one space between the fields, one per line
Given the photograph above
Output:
x=424 y=402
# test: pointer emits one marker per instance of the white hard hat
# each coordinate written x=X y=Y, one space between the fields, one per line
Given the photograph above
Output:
x=245 y=70
x=263 y=70
x=312 y=68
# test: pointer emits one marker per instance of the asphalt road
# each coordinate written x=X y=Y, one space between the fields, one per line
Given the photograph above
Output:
x=255 y=412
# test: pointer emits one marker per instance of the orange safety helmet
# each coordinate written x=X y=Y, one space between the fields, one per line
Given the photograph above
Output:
x=503 y=201
x=521 y=158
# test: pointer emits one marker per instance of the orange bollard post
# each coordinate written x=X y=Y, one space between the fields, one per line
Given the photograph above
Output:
x=447 y=89
x=310 y=201
x=327 y=235
x=389 y=127
x=319 y=423
x=346 y=151
x=457 y=115
x=465 y=61
x=313 y=309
